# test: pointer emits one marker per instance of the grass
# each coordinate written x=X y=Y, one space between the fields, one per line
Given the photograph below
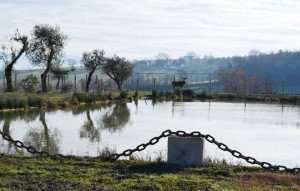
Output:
x=13 y=101
x=31 y=173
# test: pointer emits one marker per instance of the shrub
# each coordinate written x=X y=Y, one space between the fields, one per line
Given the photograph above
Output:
x=123 y=94
x=161 y=94
x=81 y=97
x=110 y=96
x=188 y=92
x=169 y=94
x=34 y=101
x=29 y=84
x=2 y=104
x=177 y=92
x=10 y=103
x=67 y=87
x=82 y=83
x=21 y=103
x=154 y=94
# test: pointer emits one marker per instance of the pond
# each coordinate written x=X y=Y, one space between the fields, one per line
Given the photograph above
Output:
x=268 y=132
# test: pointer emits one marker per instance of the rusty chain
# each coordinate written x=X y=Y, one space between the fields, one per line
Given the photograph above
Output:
x=155 y=140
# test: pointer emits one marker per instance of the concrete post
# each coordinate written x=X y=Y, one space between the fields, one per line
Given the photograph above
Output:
x=186 y=151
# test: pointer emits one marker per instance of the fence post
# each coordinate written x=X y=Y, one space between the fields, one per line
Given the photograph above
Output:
x=246 y=86
x=48 y=79
x=15 y=80
x=209 y=85
x=283 y=87
x=75 y=83
x=153 y=84
x=137 y=88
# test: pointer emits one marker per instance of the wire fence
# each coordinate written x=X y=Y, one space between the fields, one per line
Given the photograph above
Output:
x=163 y=82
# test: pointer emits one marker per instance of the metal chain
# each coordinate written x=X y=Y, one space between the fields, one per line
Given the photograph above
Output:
x=155 y=140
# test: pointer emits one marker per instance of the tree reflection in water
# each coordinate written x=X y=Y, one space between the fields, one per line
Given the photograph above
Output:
x=115 y=118
x=89 y=131
x=43 y=139
x=8 y=117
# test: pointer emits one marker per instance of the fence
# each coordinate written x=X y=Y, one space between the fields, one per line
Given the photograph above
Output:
x=163 y=82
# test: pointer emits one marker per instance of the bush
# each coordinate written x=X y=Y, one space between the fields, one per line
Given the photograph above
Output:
x=188 y=92
x=34 y=101
x=67 y=87
x=123 y=94
x=154 y=94
x=10 y=103
x=169 y=94
x=177 y=92
x=161 y=94
x=29 y=84
x=2 y=104
x=21 y=103
x=202 y=95
x=81 y=97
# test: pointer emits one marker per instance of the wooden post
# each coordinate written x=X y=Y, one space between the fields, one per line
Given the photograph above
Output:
x=282 y=87
x=15 y=80
x=245 y=86
x=137 y=88
x=209 y=85
x=75 y=83
x=48 y=79
x=96 y=88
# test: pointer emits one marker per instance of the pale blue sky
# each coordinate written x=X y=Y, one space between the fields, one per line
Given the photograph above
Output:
x=138 y=29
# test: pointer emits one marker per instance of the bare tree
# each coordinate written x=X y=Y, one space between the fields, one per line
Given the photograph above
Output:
x=10 y=55
x=191 y=55
x=232 y=79
x=162 y=59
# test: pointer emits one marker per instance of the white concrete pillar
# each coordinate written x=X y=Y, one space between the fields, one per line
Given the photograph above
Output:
x=186 y=151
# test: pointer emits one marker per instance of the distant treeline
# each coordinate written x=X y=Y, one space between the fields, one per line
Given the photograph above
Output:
x=274 y=66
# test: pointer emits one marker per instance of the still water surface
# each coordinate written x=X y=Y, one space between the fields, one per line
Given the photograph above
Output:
x=265 y=131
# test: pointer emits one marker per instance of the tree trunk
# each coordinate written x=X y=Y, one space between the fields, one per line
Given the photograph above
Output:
x=46 y=132
x=119 y=84
x=58 y=81
x=44 y=80
x=88 y=81
x=8 y=72
x=9 y=67
x=6 y=125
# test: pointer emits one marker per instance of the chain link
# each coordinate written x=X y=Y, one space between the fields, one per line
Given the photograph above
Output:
x=154 y=141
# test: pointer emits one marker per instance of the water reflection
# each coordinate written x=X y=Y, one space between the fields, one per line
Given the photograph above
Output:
x=43 y=138
x=19 y=115
x=89 y=131
x=115 y=118
x=251 y=128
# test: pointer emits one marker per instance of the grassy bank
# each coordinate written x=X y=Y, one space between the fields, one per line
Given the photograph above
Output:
x=22 y=101
x=29 y=173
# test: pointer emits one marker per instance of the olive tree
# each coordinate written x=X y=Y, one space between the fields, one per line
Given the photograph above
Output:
x=92 y=61
x=10 y=54
x=118 y=69
x=46 y=49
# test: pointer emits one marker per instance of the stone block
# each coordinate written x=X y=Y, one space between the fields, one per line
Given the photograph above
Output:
x=186 y=151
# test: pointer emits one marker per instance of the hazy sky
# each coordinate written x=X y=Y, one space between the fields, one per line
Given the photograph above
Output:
x=138 y=29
